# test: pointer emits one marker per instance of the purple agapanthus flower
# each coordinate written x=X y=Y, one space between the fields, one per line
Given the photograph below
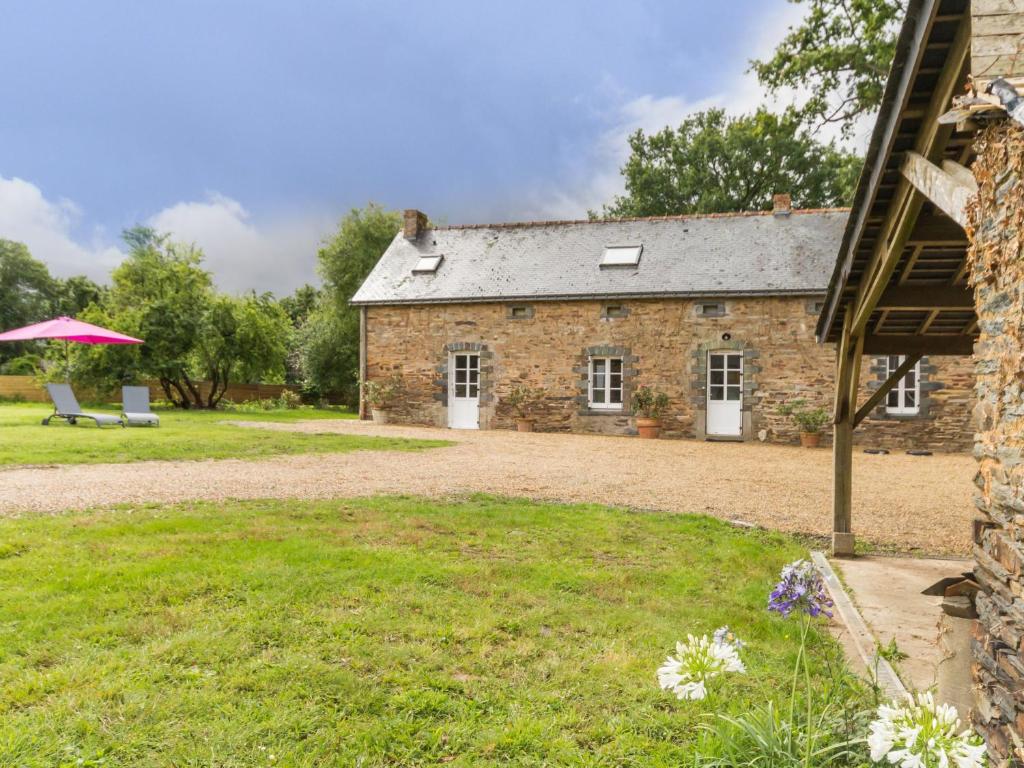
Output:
x=802 y=590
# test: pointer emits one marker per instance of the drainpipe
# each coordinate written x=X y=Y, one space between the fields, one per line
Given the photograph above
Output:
x=362 y=362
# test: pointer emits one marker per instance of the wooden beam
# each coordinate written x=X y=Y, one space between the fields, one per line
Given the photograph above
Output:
x=942 y=188
x=927 y=323
x=906 y=204
x=888 y=384
x=847 y=382
x=909 y=344
x=936 y=230
x=926 y=297
x=961 y=174
x=905 y=275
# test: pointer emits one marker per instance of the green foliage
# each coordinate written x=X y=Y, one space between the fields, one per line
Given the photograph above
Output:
x=23 y=365
x=329 y=339
x=806 y=418
x=243 y=339
x=191 y=435
x=524 y=400
x=26 y=293
x=373 y=632
x=161 y=294
x=380 y=393
x=713 y=163
x=840 y=54
x=648 y=403
x=74 y=294
x=301 y=304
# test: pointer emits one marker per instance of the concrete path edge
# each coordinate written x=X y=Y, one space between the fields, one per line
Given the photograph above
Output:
x=862 y=638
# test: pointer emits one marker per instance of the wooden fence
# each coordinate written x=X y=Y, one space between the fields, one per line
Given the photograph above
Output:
x=29 y=389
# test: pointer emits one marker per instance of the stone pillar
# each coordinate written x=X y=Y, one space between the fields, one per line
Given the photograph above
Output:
x=996 y=260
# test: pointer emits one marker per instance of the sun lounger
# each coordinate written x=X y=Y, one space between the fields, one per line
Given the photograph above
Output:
x=65 y=406
x=135 y=407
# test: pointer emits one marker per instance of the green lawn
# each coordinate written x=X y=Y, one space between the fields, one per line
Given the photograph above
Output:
x=181 y=435
x=383 y=632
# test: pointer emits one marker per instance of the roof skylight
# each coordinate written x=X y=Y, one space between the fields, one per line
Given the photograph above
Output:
x=427 y=265
x=621 y=255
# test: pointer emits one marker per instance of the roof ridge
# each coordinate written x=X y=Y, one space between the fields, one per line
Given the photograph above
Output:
x=626 y=219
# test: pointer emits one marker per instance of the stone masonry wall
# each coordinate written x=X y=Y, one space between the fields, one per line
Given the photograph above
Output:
x=997 y=271
x=664 y=344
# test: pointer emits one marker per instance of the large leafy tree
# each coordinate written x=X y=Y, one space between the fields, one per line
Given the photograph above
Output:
x=329 y=339
x=161 y=293
x=713 y=163
x=837 y=58
x=243 y=339
x=26 y=293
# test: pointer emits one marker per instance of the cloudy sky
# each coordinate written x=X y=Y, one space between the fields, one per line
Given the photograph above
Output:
x=250 y=126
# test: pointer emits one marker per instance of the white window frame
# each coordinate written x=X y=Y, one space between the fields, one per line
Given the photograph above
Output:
x=607 y=405
x=901 y=388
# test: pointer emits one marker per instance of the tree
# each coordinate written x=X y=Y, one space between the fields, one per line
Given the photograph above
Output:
x=243 y=339
x=713 y=163
x=26 y=293
x=73 y=294
x=161 y=293
x=839 y=55
x=301 y=303
x=329 y=339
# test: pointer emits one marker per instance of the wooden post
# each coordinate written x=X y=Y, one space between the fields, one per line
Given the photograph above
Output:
x=362 y=362
x=847 y=375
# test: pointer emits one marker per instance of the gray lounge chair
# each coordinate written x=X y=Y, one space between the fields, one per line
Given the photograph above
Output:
x=65 y=406
x=135 y=407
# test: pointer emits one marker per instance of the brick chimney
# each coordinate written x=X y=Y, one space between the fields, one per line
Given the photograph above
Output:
x=415 y=224
x=782 y=204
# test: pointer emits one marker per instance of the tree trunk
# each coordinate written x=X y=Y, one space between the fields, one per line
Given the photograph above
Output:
x=197 y=397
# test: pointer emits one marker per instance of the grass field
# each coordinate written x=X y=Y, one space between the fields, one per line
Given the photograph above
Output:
x=181 y=435
x=383 y=632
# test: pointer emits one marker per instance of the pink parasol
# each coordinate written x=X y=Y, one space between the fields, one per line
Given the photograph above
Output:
x=68 y=329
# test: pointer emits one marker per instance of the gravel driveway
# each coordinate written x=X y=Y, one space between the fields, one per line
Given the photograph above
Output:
x=896 y=497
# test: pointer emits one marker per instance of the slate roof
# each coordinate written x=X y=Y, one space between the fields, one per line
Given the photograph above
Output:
x=746 y=254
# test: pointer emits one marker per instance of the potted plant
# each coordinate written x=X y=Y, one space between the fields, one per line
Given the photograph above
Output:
x=523 y=401
x=379 y=395
x=648 y=405
x=807 y=419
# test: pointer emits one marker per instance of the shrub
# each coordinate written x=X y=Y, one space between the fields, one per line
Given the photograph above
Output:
x=523 y=400
x=806 y=418
x=289 y=400
x=649 y=403
x=380 y=394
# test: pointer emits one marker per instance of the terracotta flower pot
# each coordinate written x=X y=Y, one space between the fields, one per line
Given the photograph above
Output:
x=810 y=439
x=380 y=416
x=649 y=429
x=524 y=425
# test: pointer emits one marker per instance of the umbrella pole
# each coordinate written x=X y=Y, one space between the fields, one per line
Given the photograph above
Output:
x=67 y=362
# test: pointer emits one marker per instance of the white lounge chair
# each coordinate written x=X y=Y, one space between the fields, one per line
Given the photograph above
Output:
x=65 y=406
x=135 y=407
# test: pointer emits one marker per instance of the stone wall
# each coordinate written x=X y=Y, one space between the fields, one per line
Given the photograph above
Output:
x=997 y=271
x=664 y=344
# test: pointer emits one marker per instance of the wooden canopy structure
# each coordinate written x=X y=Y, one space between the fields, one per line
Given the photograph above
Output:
x=900 y=283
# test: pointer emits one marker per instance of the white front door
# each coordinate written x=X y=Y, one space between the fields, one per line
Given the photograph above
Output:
x=464 y=391
x=725 y=394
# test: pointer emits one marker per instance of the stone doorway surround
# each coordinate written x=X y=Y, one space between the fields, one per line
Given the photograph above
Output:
x=699 y=386
x=486 y=380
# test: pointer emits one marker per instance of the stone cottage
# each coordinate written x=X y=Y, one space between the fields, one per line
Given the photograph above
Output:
x=717 y=311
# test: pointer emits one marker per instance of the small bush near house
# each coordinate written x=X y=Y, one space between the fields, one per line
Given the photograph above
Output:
x=649 y=403
x=382 y=393
x=524 y=400
x=807 y=419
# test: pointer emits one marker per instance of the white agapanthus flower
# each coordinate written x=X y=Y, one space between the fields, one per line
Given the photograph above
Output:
x=698 y=660
x=923 y=734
